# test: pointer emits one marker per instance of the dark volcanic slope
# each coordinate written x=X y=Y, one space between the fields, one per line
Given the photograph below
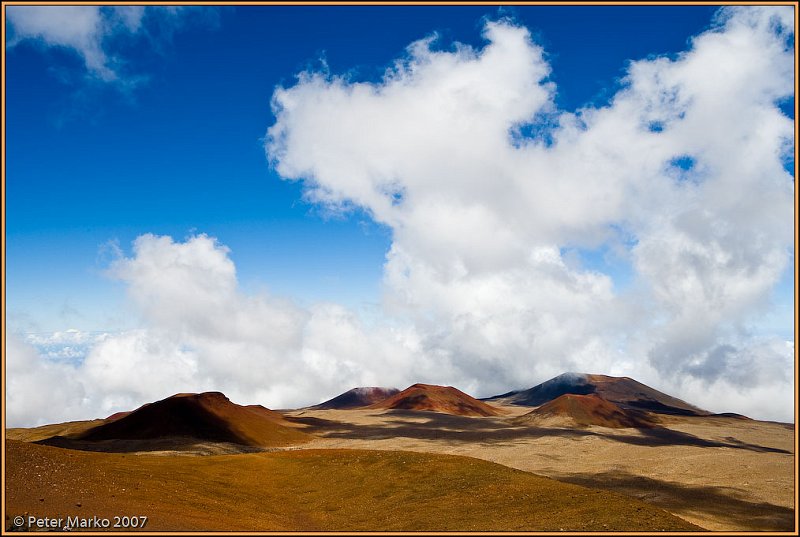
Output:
x=357 y=398
x=583 y=410
x=206 y=416
x=445 y=399
x=624 y=391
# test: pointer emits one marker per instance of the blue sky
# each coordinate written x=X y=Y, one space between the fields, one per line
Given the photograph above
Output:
x=88 y=163
x=157 y=122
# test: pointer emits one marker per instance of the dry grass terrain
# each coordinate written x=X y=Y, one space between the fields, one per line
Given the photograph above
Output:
x=723 y=474
x=312 y=490
x=70 y=428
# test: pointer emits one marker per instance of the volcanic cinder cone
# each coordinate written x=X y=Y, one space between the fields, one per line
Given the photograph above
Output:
x=444 y=399
x=584 y=410
x=623 y=391
x=208 y=416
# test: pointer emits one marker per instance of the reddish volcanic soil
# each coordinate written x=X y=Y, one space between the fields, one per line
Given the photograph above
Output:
x=117 y=415
x=628 y=392
x=357 y=398
x=444 y=399
x=585 y=410
x=206 y=416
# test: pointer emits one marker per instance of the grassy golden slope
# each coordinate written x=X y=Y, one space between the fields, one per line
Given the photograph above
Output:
x=309 y=490
x=34 y=434
x=723 y=474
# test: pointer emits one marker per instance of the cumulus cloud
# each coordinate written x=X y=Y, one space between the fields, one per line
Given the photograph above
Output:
x=38 y=389
x=89 y=30
x=680 y=176
x=682 y=173
x=200 y=332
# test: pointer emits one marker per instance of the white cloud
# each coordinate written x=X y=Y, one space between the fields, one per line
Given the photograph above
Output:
x=87 y=30
x=200 y=332
x=76 y=27
x=37 y=389
x=685 y=163
x=751 y=379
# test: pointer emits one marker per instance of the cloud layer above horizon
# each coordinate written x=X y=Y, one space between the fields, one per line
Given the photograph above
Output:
x=496 y=199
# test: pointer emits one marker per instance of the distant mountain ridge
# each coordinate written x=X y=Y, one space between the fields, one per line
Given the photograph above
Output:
x=622 y=391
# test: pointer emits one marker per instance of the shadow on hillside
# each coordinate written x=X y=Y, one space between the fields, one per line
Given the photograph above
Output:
x=718 y=502
x=413 y=424
x=423 y=425
x=460 y=429
x=172 y=444
x=660 y=436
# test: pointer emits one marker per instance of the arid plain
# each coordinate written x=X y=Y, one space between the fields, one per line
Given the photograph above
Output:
x=720 y=474
x=584 y=452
